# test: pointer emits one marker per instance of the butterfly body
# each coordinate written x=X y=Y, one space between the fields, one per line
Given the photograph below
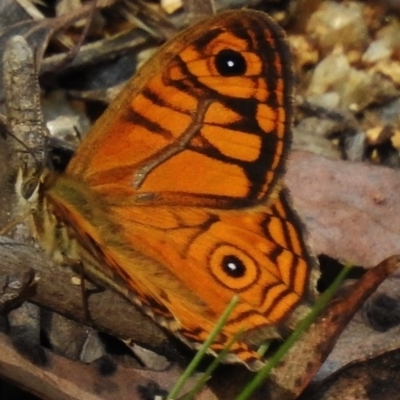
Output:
x=175 y=198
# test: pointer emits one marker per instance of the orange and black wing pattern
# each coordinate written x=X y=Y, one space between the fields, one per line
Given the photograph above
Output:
x=177 y=194
x=205 y=123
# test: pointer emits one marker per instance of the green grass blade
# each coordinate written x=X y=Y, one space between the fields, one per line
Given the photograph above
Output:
x=211 y=368
x=203 y=349
x=264 y=348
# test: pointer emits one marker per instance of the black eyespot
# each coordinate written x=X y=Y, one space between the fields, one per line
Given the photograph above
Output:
x=233 y=266
x=230 y=63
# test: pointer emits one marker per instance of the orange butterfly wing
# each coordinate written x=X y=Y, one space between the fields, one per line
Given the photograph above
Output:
x=180 y=119
x=176 y=194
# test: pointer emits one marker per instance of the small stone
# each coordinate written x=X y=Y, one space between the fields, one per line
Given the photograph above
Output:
x=332 y=69
x=373 y=134
x=334 y=74
x=395 y=139
x=170 y=6
x=334 y=24
x=328 y=100
x=378 y=50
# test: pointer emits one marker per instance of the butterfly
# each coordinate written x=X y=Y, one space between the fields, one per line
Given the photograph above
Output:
x=175 y=198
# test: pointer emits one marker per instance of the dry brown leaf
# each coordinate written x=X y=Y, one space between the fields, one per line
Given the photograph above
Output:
x=360 y=339
x=351 y=210
x=369 y=379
